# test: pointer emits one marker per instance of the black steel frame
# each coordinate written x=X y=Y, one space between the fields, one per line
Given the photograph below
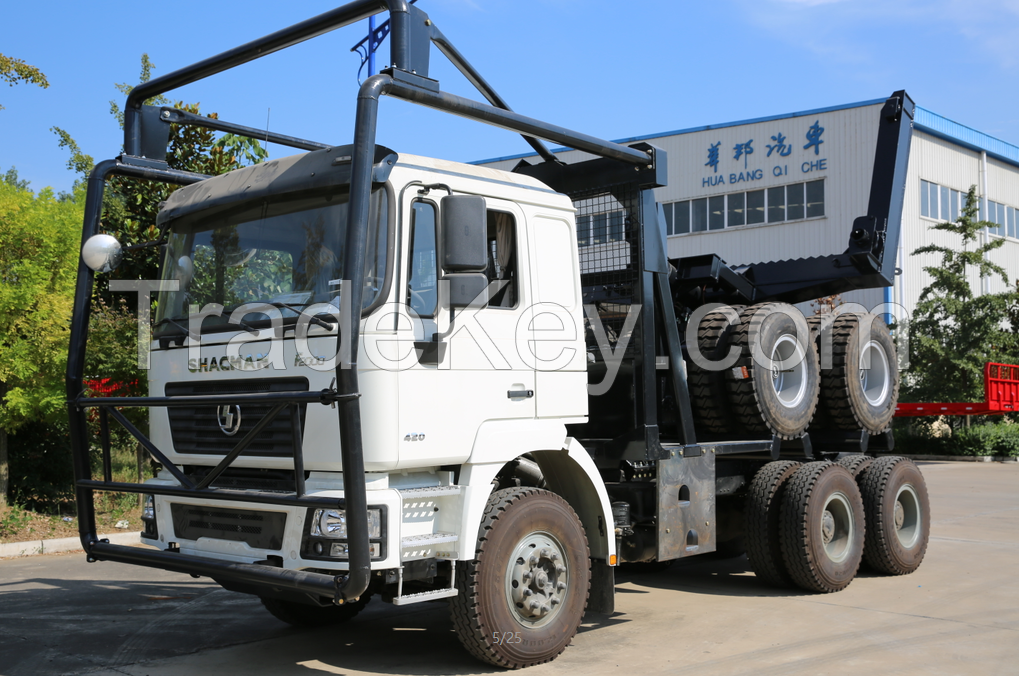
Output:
x=146 y=130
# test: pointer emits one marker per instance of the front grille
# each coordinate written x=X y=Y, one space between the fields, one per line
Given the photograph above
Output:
x=196 y=429
x=261 y=530
x=247 y=479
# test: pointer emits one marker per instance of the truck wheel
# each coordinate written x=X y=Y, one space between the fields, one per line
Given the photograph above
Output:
x=762 y=522
x=822 y=527
x=709 y=393
x=898 y=515
x=306 y=615
x=774 y=386
x=858 y=398
x=523 y=596
x=856 y=464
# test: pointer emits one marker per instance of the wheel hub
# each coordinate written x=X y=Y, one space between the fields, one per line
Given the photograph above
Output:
x=907 y=516
x=827 y=527
x=537 y=579
x=875 y=376
x=837 y=528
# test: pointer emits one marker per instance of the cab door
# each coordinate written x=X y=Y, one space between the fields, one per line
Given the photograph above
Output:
x=475 y=372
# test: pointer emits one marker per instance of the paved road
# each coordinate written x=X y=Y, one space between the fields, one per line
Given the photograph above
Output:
x=959 y=614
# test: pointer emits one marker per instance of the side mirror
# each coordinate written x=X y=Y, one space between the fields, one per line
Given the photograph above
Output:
x=464 y=234
x=102 y=253
x=464 y=242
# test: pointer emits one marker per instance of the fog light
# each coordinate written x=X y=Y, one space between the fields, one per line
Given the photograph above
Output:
x=318 y=549
x=341 y=550
x=332 y=523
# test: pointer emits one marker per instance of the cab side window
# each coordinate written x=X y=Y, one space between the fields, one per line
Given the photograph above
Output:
x=502 y=259
x=422 y=285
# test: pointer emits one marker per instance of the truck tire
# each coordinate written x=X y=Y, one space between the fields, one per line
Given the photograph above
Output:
x=766 y=399
x=856 y=464
x=817 y=323
x=857 y=398
x=523 y=596
x=762 y=522
x=709 y=397
x=306 y=615
x=898 y=515
x=822 y=527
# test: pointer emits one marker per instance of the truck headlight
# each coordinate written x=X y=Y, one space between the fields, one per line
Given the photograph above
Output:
x=332 y=523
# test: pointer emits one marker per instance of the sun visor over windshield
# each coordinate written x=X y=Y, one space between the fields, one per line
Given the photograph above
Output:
x=298 y=173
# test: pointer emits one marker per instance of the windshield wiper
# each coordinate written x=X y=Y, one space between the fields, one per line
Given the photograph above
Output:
x=300 y=311
x=192 y=336
x=186 y=330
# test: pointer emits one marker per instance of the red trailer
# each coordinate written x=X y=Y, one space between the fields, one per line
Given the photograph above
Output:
x=1001 y=395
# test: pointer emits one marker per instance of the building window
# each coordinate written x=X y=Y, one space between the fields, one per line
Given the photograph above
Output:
x=794 y=202
x=776 y=204
x=716 y=212
x=737 y=209
x=772 y=205
x=699 y=215
x=815 y=199
x=942 y=203
x=755 y=207
x=601 y=228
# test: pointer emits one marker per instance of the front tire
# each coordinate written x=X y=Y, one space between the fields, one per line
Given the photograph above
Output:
x=523 y=596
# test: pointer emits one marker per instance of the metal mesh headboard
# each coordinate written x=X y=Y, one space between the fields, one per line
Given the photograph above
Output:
x=608 y=228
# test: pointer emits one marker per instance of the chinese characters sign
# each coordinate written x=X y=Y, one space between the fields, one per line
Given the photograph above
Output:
x=780 y=147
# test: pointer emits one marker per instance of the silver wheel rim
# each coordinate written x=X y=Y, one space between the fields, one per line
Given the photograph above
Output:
x=906 y=516
x=788 y=371
x=837 y=527
x=537 y=579
x=876 y=379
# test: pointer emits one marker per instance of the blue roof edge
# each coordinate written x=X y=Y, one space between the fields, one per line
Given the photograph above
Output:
x=942 y=127
x=924 y=120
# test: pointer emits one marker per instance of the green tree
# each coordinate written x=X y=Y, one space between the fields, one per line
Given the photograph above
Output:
x=11 y=178
x=953 y=331
x=38 y=260
x=131 y=205
x=14 y=71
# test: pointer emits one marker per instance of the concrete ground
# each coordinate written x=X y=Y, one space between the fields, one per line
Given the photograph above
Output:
x=958 y=614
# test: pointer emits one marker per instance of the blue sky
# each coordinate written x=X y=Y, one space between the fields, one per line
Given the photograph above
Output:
x=611 y=69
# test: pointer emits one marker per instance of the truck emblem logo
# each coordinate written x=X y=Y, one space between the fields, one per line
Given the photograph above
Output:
x=229 y=418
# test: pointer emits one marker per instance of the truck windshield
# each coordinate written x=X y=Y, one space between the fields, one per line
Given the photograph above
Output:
x=284 y=252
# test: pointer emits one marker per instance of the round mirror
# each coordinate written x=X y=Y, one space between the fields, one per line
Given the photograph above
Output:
x=102 y=253
x=185 y=271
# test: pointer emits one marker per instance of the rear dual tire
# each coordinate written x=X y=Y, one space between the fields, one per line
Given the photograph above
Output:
x=898 y=515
